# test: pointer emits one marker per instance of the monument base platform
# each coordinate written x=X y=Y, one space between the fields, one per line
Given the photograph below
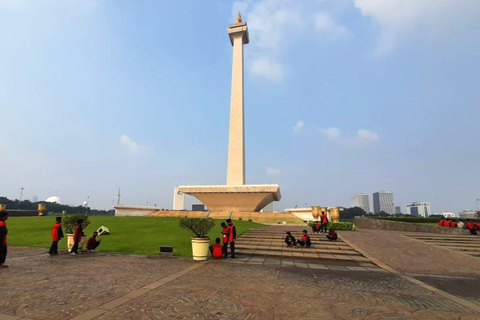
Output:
x=243 y=198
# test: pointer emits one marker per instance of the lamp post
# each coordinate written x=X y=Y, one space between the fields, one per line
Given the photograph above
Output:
x=21 y=193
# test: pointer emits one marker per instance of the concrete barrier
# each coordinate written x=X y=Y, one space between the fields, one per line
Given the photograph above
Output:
x=380 y=224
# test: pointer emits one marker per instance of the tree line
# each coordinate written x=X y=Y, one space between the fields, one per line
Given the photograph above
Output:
x=52 y=208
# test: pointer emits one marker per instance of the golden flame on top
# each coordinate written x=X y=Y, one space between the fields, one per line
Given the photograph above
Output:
x=239 y=18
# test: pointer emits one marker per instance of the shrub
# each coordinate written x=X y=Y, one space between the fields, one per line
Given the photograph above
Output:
x=198 y=226
x=70 y=220
x=346 y=226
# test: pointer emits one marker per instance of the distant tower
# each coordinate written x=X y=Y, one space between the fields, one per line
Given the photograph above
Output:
x=35 y=199
x=383 y=201
x=118 y=199
x=361 y=200
x=238 y=33
x=178 y=200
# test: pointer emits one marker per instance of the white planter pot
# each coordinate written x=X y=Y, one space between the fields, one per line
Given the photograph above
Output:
x=70 y=242
x=200 y=248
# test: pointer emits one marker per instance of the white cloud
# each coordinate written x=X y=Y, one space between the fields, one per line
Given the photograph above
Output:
x=367 y=135
x=130 y=146
x=267 y=68
x=274 y=23
x=331 y=132
x=325 y=24
x=273 y=171
x=435 y=20
x=298 y=126
x=363 y=137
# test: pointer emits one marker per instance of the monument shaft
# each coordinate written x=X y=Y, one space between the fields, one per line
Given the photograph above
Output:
x=238 y=33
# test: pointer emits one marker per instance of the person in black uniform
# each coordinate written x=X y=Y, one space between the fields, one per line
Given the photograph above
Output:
x=290 y=240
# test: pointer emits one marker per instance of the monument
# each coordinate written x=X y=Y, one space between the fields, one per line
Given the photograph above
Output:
x=235 y=196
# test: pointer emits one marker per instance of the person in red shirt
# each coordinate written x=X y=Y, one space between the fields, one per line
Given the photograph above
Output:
x=324 y=220
x=216 y=249
x=453 y=224
x=332 y=235
x=3 y=238
x=92 y=243
x=305 y=242
x=441 y=222
x=57 y=235
x=316 y=228
x=225 y=236
x=77 y=237
x=232 y=237
x=447 y=223
x=471 y=227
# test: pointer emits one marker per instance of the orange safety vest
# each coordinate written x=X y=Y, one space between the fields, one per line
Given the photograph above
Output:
x=217 y=251
x=231 y=236
x=77 y=236
x=4 y=238
x=225 y=234
x=55 y=228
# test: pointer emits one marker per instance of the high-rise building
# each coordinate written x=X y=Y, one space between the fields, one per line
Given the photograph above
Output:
x=419 y=209
x=361 y=200
x=398 y=210
x=383 y=201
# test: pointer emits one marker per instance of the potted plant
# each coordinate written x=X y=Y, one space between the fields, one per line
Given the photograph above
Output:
x=68 y=223
x=200 y=228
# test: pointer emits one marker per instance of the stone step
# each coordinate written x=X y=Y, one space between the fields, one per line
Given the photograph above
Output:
x=325 y=242
x=454 y=244
x=267 y=243
x=303 y=250
x=459 y=239
x=300 y=255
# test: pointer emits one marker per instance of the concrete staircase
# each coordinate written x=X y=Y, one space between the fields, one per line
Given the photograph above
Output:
x=465 y=244
x=269 y=241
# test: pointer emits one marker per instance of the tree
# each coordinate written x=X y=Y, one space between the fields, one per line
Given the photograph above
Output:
x=351 y=213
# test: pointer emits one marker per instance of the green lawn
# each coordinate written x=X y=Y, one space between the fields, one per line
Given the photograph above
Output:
x=140 y=235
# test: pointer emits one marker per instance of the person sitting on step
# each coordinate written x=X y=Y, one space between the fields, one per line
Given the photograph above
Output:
x=92 y=243
x=332 y=235
x=290 y=240
x=305 y=242
x=216 y=249
x=316 y=228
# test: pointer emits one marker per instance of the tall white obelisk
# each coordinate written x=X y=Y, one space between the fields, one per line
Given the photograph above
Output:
x=238 y=33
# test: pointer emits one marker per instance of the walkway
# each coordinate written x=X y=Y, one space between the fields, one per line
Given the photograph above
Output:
x=114 y=286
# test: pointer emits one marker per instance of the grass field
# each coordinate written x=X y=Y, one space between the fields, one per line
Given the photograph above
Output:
x=140 y=235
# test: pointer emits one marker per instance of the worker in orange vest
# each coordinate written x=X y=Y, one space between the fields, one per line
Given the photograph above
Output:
x=3 y=238
x=216 y=249
x=57 y=235
x=324 y=220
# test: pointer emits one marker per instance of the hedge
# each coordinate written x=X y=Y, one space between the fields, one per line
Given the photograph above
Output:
x=346 y=226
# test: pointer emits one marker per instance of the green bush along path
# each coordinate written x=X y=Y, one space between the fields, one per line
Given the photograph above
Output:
x=139 y=235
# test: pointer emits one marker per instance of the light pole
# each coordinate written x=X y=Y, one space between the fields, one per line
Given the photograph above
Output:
x=21 y=193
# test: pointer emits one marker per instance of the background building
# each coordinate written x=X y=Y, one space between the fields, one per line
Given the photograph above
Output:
x=383 y=201
x=398 y=210
x=269 y=207
x=419 y=209
x=178 y=199
x=467 y=214
x=361 y=200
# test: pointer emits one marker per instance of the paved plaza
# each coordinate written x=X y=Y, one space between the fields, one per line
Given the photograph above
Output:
x=397 y=284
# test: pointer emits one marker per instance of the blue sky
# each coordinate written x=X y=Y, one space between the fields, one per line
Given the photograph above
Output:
x=341 y=97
